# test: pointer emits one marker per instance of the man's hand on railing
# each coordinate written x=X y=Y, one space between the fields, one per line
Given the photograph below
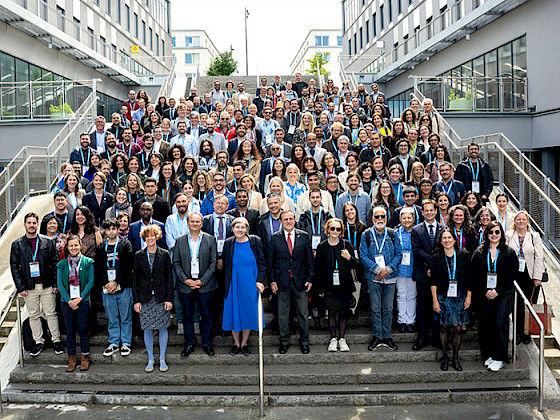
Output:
x=260 y=287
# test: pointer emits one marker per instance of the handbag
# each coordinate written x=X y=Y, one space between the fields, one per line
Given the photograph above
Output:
x=544 y=312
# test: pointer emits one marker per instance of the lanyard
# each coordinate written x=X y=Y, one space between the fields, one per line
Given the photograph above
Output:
x=475 y=176
x=114 y=252
x=180 y=225
x=480 y=236
x=460 y=236
x=167 y=188
x=503 y=221
x=84 y=162
x=193 y=247
x=400 y=231
x=64 y=225
x=36 y=249
x=355 y=200
x=292 y=117
x=353 y=242
x=398 y=193
x=442 y=220
x=97 y=198
x=448 y=190
x=248 y=165
x=452 y=271
x=404 y=163
x=380 y=152
x=271 y=226
x=374 y=236
x=335 y=257
x=313 y=232
x=490 y=266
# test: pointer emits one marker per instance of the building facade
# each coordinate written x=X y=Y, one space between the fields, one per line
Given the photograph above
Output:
x=489 y=54
x=327 y=42
x=194 y=51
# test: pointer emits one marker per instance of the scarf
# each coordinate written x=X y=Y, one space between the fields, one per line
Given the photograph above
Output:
x=121 y=207
x=74 y=262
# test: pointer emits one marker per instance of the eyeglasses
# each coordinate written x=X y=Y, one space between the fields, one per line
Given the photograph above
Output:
x=379 y=216
x=494 y=232
x=335 y=229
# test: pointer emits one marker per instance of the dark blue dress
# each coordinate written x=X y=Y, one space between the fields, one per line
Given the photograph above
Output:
x=241 y=304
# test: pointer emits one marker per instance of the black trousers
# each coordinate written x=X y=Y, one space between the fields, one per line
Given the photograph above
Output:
x=493 y=327
x=284 y=300
x=424 y=310
x=218 y=302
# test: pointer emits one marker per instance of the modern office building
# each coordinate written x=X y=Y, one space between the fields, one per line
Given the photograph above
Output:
x=327 y=42
x=492 y=63
x=120 y=42
x=193 y=50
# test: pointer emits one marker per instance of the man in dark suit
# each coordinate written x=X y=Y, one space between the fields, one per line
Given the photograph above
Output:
x=252 y=215
x=424 y=239
x=286 y=148
x=218 y=225
x=97 y=136
x=291 y=120
x=171 y=112
x=454 y=188
x=266 y=165
x=403 y=158
x=194 y=263
x=146 y=212
x=160 y=206
x=290 y=270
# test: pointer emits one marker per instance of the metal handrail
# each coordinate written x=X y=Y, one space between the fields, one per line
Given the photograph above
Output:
x=167 y=85
x=13 y=296
x=261 y=357
x=528 y=304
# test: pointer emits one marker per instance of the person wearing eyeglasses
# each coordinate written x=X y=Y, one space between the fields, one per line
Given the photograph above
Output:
x=381 y=254
x=334 y=260
x=494 y=268
x=452 y=187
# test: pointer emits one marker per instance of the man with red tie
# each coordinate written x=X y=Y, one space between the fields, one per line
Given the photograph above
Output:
x=290 y=270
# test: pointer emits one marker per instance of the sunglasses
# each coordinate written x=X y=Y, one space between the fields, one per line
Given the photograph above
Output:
x=335 y=229
x=494 y=232
x=379 y=216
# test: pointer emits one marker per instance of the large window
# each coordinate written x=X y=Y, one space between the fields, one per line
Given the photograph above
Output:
x=61 y=16
x=339 y=41
x=381 y=17
x=374 y=24
x=321 y=41
x=192 y=58
x=173 y=42
x=192 y=41
x=127 y=13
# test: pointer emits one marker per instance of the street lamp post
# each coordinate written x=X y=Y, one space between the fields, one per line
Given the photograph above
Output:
x=246 y=46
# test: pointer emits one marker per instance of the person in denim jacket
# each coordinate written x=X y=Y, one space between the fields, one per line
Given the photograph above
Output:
x=381 y=254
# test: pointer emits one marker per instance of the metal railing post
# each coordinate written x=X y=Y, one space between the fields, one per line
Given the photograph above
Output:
x=473 y=94
x=514 y=340
x=501 y=167
x=94 y=91
x=20 y=336
x=31 y=100
x=521 y=183
x=63 y=104
x=546 y=211
x=501 y=94
x=261 y=360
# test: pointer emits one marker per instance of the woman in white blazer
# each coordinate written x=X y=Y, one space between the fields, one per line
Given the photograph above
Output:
x=529 y=248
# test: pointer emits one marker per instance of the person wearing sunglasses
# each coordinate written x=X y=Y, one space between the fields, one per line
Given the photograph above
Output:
x=381 y=254
x=494 y=268
x=334 y=261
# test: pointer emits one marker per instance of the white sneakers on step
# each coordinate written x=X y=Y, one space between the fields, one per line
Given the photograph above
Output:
x=336 y=344
x=333 y=345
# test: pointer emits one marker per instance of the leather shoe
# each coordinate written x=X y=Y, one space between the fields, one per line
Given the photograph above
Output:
x=410 y=328
x=187 y=350
x=402 y=328
x=518 y=339
x=419 y=344
x=456 y=365
x=209 y=350
x=304 y=348
x=444 y=364
x=283 y=349
x=525 y=339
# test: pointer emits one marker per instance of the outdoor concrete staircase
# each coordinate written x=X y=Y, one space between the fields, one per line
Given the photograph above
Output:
x=359 y=377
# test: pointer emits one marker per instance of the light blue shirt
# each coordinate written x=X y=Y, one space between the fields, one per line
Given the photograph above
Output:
x=188 y=142
x=217 y=139
x=361 y=200
x=175 y=227
x=138 y=114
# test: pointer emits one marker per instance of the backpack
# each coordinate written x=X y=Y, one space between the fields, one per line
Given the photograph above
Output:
x=27 y=334
x=390 y=231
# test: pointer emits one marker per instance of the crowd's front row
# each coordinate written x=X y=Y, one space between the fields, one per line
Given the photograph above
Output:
x=424 y=261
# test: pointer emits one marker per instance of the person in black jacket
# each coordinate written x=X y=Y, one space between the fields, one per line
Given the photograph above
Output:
x=475 y=174
x=252 y=215
x=244 y=266
x=333 y=280
x=113 y=273
x=459 y=222
x=160 y=206
x=494 y=268
x=314 y=220
x=33 y=260
x=98 y=200
x=451 y=293
x=152 y=289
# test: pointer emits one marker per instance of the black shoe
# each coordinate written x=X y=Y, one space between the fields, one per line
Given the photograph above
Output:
x=58 y=348
x=390 y=343
x=275 y=330
x=283 y=349
x=420 y=344
x=525 y=339
x=402 y=328
x=234 y=350
x=444 y=364
x=209 y=350
x=456 y=365
x=375 y=343
x=518 y=339
x=304 y=348
x=410 y=328
x=187 y=350
x=245 y=350
x=37 y=349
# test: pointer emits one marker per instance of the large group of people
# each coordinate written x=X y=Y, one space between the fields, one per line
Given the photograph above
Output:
x=317 y=193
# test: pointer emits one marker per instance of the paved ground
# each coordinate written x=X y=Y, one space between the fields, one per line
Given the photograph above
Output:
x=457 y=412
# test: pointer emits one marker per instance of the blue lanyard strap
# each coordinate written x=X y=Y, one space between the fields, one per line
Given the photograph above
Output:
x=114 y=253
x=180 y=225
x=374 y=236
x=452 y=271
x=353 y=242
x=475 y=175
x=84 y=162
x=36 y=249
x=459 y=236
x=313 y=232
x=272 y=226
x=400 y=231
x=448 y=190
x=492 y=267
x=192 y=247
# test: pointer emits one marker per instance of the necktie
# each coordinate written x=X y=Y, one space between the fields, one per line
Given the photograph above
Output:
x=431 y=234
x=221 y=227
x=312 y=151
x=290 y=243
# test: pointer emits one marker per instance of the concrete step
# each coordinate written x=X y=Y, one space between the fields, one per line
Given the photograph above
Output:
x=552 y=358
x=3 y=341
x=205 y=84
x=6 y=328
x=308 y=395
x=301 y=374
x=320 y=355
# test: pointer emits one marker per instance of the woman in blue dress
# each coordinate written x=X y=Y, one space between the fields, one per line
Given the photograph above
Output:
x=245 y=266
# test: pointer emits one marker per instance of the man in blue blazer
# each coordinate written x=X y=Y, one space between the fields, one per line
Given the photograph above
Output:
x=290 y=270
x=146 y=212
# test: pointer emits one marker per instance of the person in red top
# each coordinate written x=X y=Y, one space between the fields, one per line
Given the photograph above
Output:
x=131 y=104
x=225 y=128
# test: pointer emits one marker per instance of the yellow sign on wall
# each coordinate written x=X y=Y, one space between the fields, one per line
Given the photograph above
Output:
x=134 y=49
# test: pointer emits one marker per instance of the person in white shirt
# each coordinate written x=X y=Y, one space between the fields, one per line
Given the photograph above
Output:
x=186 y=140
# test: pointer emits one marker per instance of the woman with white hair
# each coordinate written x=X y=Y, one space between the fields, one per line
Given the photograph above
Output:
x=276 y=186
x=528 y=246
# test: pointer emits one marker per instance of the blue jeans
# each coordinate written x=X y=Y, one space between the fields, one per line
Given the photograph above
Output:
x=76 y=320
x=204 y=303
x=118 y=307
x=381 y=297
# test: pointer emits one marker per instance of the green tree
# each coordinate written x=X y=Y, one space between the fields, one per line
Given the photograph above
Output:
x=222 y=65
x=318 y=62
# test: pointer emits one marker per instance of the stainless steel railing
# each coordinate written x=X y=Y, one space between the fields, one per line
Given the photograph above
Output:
x=519 y=292
x=261 y=358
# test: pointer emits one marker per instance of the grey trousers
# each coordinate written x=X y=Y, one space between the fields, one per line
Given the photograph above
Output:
x=300 y=298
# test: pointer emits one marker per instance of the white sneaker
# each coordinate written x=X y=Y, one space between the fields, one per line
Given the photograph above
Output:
x=196 y=328
x=488 y=362
x=495 y=366
x=125 y=350
x=180 y=329
x=333 y=345
x=343 y=345
x=109 y=351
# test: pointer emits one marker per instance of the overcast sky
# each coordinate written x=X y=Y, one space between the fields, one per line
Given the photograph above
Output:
x=286 y=21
